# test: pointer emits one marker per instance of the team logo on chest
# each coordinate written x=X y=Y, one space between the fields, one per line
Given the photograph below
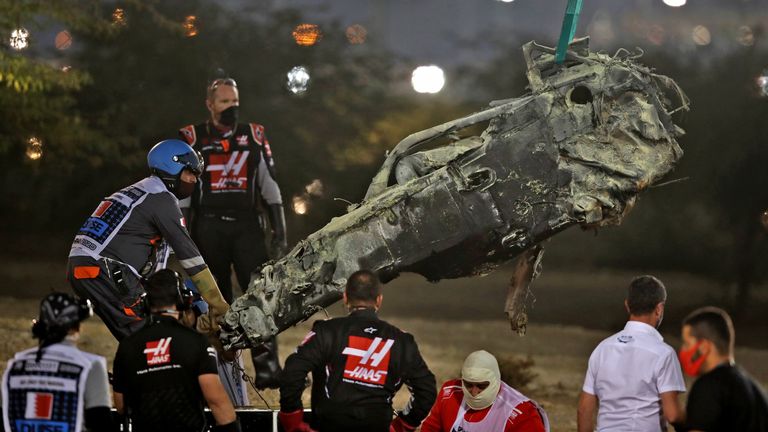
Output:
x=229 y=171
x=242 y=140
x=367 y=359
x=158 y=352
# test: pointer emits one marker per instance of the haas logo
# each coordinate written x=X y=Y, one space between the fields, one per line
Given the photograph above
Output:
x=158 y=352
x=229 y=171
x=367 y=359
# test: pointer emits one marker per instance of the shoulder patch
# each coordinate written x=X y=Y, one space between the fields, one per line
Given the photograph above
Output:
x=257 y=131
x=188 y=133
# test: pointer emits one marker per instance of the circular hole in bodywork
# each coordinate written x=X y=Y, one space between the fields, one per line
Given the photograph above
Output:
x=580 y=95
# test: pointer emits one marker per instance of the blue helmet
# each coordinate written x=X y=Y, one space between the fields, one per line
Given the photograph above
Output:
x=167 y=159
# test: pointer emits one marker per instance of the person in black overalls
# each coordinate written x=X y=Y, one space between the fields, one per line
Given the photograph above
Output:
x=358 y=363
x=165 y=373
x=237 y=186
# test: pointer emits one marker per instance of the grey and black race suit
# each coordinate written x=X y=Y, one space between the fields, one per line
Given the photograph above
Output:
x=128 y=237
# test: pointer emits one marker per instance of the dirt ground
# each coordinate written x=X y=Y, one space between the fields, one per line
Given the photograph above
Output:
x=571 y=314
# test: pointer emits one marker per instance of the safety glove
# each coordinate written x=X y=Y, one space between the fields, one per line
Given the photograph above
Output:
x=217 y=306
x=279 y=243
x=399 y=425
x=294 y=421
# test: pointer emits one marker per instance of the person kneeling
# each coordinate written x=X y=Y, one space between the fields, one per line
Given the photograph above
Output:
x=481 y=401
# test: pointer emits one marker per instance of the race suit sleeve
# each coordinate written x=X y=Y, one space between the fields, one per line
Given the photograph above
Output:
x=420 y=382
x=308 y=356
x=97 y=385
x=206 y=362
x=434 y=421
x=268 y=187
x=168 y=219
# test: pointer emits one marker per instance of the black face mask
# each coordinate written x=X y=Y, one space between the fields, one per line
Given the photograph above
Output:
x=229 y=116
x=184 y=189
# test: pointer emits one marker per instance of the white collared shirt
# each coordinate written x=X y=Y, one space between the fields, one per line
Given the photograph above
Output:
x=627 y=372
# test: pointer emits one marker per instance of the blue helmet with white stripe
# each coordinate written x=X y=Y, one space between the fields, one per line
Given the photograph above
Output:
x=167 y=159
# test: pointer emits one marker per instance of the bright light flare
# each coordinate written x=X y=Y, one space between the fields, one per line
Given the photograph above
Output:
x=428 y=79
x=34 y=148
x=118 y=18
x=762 y=83
x=675 y=3
x=190 y=26
x=307 y=34
x=19 y=39
x=300 y=205
x=298 y=80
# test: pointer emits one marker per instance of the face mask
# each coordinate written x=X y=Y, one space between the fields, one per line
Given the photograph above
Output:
x=691 y=360
x=484 y=399
x=229 y=116
x=184 y=189
x=481 y=366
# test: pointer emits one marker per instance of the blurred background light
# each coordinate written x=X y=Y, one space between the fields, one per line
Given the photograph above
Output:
x=656 y=34
x=701 y=35
x=428 y=79
x=63 y=40
x=307 y=34
x=118 y=17
x=675 y=3
x=34 y=148
x=762 y=83
x=190 y=26
x=746 y=36
x=298 y=80
x=315 y=188
x=19 y=39
x=300 y=205
x=356 y=34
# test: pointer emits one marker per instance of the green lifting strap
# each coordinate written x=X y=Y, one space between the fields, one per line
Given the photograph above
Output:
x=570 y=21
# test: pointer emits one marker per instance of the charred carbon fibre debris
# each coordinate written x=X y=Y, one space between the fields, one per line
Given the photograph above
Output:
x=591 y=134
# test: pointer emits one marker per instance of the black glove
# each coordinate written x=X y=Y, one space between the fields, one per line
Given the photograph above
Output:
x=279 y=244
x=229 y=427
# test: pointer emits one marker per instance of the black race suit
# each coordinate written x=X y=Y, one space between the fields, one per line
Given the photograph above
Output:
x=239 y=174
x=358 y=363
x=157 y=369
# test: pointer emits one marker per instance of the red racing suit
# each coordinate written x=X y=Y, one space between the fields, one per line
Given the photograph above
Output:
x=510 y=412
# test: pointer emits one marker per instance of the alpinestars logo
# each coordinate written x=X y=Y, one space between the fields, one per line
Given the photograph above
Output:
x=228 y=171
x=367 y=359
x=158 y=352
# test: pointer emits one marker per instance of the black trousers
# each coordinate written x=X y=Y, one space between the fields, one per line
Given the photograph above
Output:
x=227 y=241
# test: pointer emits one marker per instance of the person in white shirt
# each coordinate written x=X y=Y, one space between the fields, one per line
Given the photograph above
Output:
x=634 y=378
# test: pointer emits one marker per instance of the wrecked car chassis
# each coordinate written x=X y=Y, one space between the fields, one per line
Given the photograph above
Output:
x=592 y=133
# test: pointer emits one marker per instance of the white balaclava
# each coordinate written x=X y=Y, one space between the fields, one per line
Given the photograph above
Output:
x=481 y=366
